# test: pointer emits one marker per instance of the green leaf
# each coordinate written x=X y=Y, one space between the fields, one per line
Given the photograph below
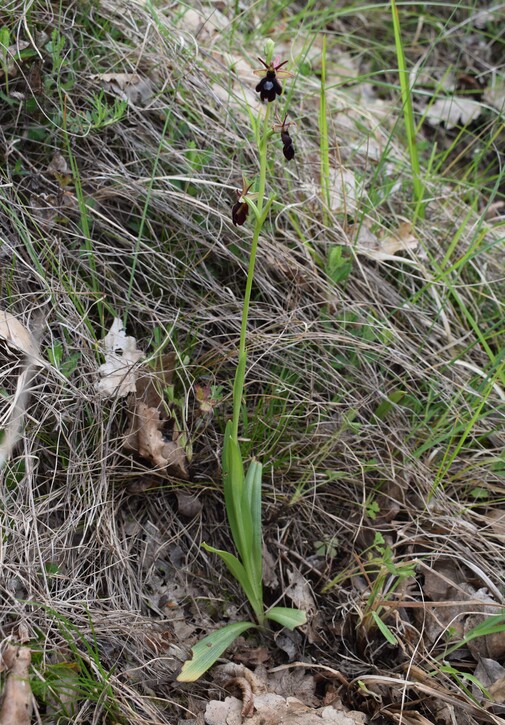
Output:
x=208 y=649
x=238 y=570
x=236 y=500
x=252 y=502
x=384 y=629
x=287 y=616
x=233 y=482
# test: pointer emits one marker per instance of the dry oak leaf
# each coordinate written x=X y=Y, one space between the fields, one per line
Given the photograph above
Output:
x=384 y=248
x=453 y=111
x=147 y=432
x=118 y=372
x=272 y=709
x=17 y=696
x=130 y=87
x=10 y=54
x=148 y=440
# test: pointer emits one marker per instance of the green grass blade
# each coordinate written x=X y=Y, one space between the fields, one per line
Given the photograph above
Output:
x=408 y=112
x=207 y=651
x=388 y=634
x=288 y=617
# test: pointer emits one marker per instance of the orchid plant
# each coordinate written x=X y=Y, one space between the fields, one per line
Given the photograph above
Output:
x=242 y=490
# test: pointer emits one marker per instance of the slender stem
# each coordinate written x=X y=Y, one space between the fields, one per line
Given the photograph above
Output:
x=238 y=387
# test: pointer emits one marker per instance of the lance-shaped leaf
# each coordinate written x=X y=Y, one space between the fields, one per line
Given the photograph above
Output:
x=287 y=616
x=207 y=651
x=238 y=570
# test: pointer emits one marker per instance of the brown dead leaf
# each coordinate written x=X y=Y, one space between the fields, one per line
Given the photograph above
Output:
x=250 y=656
x=188 y=505
x=10 y=54
x=300 y=593
x=17 y=696
x=497 y=690
x=271 y=709
x=130 y=87
x=147 y=438
x=293 y=682
x=151 y=433
x=491 y=646
x=59 y=168
x=491 y=675
x=495 y=95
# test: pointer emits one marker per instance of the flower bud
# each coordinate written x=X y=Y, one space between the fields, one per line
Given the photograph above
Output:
x=268 y=50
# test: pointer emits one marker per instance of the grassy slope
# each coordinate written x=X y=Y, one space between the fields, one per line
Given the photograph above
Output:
x=375 y=402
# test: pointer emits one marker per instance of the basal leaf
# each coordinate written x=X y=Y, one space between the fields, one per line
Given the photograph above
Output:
x=207 y=651
x=252 y=491
x=287 y=616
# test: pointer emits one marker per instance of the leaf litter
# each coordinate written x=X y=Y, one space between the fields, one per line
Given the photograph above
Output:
x=262 y=703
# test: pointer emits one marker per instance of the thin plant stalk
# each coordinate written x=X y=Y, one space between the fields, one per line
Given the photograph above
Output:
x=238 y=387
x=408 y=114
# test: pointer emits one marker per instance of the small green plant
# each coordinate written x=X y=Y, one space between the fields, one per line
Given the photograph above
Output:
x=242 y=490
x=388 y=576
x=66 y=364
x=4 y=55
x=102 y=114
x=384 y=576
x=339 y=265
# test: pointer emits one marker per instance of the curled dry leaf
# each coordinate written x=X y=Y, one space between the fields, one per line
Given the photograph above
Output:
x=10 y=54
x=17 y=336
x=300 y=593
x=59 y=168
x=152 y=433
x=17 y=696
x=118 y=372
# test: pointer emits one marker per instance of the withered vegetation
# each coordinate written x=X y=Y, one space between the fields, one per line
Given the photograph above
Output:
x=375 y=393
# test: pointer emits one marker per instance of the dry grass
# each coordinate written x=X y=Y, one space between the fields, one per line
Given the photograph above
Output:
x=106 y=579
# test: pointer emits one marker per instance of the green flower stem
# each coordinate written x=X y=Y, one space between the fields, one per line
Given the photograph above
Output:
x=238 y=387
